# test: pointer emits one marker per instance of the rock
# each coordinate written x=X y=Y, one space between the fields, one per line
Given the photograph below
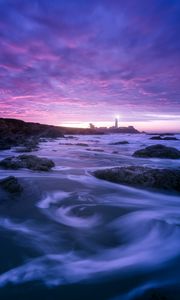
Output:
x=81 y=144
x=158 y=137
x=94 y=141
x=120 y=143
x=142 y=177
x=95 y=150
x=4 y=147
x=167 y=138
x=12 y=162
x=71 y=137
x=11 y=185
x=162 y=134
x=66 y=144
x=170 y=138
x=24 y=149
x=158 y=151
x=43 y=140
x=31 y=162
x=5 y=143
x=77 y=144
x=13 y=140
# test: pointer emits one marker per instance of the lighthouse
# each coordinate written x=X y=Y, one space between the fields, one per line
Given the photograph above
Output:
x=116 y=122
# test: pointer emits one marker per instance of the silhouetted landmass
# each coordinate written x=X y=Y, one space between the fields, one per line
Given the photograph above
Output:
x=16 y=126
x=15 y=132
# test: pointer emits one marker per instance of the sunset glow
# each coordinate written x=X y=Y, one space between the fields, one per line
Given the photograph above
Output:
x=76 y=62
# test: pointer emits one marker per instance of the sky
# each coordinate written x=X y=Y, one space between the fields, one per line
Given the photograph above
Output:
x=73 y=62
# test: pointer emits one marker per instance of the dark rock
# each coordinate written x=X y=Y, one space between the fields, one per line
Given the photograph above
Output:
x=81 y=144
x=158 y=137
x=25 y=149
x=43 y=140
x=11 y=185
x=162 y=134
x=71 y=137
x=4 y=146
x=158 y=151
x=15 y=132
x=170 y=138
x=66 y=144
x=167 y=138
x=77 y=144
x=95 y=150
x=12 y=162
x=9 y=140
x=31 y=162
x=142 y=177
x=94 y=141
x=120 y=143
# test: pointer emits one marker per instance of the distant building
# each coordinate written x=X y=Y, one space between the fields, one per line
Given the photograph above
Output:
x=91 y=126
x=113 y=129
x=116 y=122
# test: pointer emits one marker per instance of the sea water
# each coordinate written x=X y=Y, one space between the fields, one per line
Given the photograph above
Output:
x=73 y=236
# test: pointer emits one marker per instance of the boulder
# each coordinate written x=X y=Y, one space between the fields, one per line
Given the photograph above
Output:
x=142 y=177
x=158 y=151
x=11 y=185
x=31 y=162
x=9 y=140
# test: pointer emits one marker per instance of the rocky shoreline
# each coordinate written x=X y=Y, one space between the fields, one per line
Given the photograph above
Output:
x=25 y=137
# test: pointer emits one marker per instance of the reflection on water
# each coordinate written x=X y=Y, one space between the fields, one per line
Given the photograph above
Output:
x=84 y=230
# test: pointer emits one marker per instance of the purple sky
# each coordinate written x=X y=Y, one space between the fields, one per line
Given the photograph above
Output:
x=79 y=61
